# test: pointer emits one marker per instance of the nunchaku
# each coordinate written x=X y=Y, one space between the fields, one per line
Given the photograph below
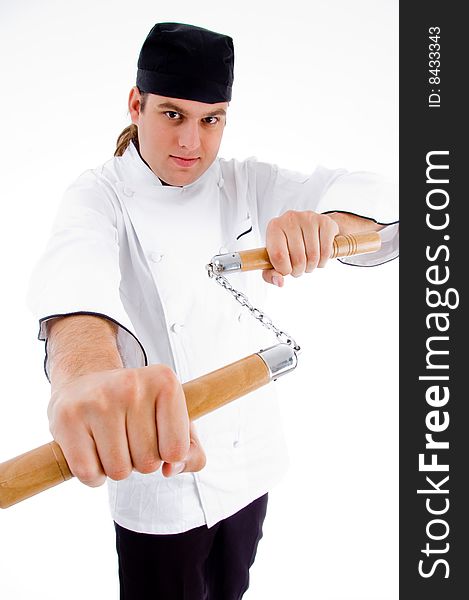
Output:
x=44 y=467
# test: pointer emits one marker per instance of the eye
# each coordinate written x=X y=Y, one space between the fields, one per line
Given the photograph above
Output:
x=211 y=120
x=172 y=115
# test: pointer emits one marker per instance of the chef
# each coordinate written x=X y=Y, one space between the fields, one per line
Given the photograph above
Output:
x=128 y=314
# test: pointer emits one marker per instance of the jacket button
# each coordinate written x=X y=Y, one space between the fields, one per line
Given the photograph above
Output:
x=176 y=327
x=236 y=444
x=155 y=257
x=128 y=191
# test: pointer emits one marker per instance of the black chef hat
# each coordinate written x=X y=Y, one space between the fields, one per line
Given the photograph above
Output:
x=184 y=61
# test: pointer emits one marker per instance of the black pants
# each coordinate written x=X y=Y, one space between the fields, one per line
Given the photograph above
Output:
x=199 y=564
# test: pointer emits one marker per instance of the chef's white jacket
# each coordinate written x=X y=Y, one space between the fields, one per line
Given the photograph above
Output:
x=126 y=247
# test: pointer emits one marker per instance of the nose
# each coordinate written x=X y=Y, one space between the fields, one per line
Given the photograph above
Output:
x=189 y=135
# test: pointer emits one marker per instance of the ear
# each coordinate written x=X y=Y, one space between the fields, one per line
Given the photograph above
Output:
x=134 y=104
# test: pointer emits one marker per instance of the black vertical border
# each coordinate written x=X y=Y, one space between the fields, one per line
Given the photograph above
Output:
x=424 y=129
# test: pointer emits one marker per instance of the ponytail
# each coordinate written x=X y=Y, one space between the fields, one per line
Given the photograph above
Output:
x=130 y=133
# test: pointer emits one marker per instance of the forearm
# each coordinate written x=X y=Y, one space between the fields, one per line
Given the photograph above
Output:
x=81 y=344
x=349 y=223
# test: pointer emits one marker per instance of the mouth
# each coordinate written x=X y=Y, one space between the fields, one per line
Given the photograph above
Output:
x=184 y=162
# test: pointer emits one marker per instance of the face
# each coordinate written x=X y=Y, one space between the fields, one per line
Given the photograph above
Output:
x=178 y=139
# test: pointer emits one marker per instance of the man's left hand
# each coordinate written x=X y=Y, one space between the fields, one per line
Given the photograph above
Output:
x=298 y=242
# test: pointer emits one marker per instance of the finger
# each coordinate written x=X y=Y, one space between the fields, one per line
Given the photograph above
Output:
x=172 y=420
x=142 y=435
x=295 y=244
x=273 y=276
x=296 y=250
x=312 y=246
x=277 y=248
x=82 y=458
x=327 y=233
x=195 y=460
x=110 y=437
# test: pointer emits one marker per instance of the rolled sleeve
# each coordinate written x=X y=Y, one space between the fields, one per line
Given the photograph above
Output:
x=389 y=250
x=373 y=197
x=363 y=194
x=79 y=271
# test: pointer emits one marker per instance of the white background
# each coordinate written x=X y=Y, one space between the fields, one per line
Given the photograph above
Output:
x=315 y=82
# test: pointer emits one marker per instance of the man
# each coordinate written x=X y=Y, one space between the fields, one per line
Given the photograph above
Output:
x=129 y=313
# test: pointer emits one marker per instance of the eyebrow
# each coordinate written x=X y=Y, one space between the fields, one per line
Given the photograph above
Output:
x=176 y=108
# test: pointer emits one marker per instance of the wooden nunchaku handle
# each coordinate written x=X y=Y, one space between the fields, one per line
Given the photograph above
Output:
x=45 y=467
x=344 y=245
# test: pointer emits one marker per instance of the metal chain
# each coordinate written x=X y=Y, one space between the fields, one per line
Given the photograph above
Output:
x=258 y=314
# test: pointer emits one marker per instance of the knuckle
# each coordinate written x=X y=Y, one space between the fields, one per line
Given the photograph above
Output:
x=289 y=217
x=175 y=451
x=277 y=255
x=168 y=379
x=118 y=472
x=81 y=407
x=147 y=464
x=99 y=406
x=312 y=261
x=291 y=214
x=272 y=224
x=128 y=384
x=279 y=260
x=310 y=216
x=297 y=272
x=312 y=254
x=87 y=475
x=324 y=219
x=128 y=378
x=298 y=262
x=313 y=257
x=95 y=410
x=330 y=224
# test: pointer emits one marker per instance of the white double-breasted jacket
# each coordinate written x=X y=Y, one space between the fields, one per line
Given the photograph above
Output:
x=126 y=247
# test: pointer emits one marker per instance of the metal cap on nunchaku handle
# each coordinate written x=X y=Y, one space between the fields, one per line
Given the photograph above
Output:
x=46 y=466
x=249 y=260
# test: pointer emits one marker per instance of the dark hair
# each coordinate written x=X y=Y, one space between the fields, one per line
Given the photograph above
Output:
x=130 y=133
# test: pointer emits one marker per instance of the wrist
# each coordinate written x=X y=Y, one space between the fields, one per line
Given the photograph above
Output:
x=349 y=223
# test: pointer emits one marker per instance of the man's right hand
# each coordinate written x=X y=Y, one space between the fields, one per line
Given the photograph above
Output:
x=112 y=421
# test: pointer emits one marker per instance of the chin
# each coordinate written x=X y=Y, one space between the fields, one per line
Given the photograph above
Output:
x=186 y=178
x=180 y=181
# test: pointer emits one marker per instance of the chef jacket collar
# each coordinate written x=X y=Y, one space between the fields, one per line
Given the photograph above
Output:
x=143 y=176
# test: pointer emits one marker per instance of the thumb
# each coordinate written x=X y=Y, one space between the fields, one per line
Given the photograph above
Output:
x=273 y=276
x=194 y=461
